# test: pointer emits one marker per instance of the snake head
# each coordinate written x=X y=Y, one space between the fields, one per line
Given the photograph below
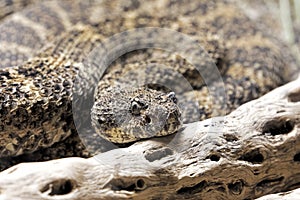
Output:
x=128 y=115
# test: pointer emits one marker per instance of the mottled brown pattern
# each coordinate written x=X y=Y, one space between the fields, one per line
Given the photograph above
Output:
x=36 y=95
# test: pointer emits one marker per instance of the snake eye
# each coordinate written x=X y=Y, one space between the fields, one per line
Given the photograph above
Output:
x=172 y=96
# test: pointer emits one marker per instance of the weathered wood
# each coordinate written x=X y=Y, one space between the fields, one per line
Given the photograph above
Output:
x=251 y=152
x=290 y=195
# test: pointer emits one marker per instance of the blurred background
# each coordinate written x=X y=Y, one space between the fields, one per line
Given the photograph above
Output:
x=279 y=17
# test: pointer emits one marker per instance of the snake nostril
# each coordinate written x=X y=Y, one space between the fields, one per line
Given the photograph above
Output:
x=137 y=105
x=135 y=108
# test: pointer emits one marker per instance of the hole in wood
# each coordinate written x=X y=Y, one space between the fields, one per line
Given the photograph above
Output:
x=157 y=154
x=193 y=189
x=267 y=183
x=214 y=157
x=294 y=96
x=278 y=127
x=119 y=184
x=230 y=137
x=236 y=188
x=221 y=189
x=254 y=157
x=140 y=184
x=58 y=187
x=297 y=157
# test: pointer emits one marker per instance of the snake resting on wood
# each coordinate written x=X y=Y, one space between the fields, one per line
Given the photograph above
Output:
x=46 y=44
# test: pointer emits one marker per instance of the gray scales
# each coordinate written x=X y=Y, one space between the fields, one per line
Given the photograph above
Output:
x=44 y=46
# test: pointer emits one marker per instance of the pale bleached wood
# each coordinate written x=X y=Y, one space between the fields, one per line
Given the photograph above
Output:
x=251 y=152
x=289 y=195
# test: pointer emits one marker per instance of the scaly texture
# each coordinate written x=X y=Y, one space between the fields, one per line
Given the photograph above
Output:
x=36 y=96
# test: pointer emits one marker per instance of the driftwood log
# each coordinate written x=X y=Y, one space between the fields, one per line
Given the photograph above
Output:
x=289 y=195
x=249 y=153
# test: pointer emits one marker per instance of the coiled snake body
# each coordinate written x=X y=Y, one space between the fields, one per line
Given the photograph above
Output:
x=44 y=45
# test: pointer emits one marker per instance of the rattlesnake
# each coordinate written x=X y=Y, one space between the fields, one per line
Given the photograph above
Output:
x=36 y=96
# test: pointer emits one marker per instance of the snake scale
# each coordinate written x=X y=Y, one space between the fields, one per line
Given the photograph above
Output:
x=44 y=45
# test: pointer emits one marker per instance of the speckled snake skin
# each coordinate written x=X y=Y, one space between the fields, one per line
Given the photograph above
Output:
x=44 y=44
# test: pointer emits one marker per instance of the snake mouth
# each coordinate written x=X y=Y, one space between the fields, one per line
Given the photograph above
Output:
x=135 y=127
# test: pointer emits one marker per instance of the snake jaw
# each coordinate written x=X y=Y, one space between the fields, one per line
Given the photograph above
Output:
x=127 y=117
